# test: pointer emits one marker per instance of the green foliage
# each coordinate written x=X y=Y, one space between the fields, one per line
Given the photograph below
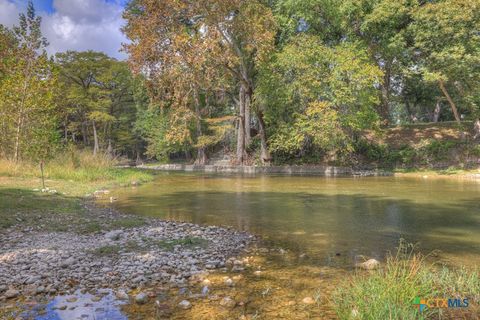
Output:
x=28 y=83
x=426 y=153
x=318 y=107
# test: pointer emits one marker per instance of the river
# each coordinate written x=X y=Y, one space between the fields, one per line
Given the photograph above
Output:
x=331 y=220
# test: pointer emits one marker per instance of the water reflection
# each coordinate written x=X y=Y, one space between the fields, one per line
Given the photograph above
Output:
x=78 y=306
x=354 y=216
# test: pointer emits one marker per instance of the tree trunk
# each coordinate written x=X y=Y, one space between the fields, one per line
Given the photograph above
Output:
x=241 y=127
x=436 y=112
x=16 y=153
x=450 y=101
x=65 y=132
x=264 y=153
x=385 y=96
x=248 y=100
x=95 y=139
x=110 y=148
x=476 y=129
x=201 y=154
x=409 y=110
x=84 y=134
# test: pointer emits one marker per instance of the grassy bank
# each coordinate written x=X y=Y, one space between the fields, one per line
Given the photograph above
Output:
x=72 y=176
x=80 y=169
x=389 y=292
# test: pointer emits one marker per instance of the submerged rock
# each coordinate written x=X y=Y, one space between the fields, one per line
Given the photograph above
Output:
x=228 y=302
x=121 y=295
x=184 y=304
x=308 y=300
x=141 y=298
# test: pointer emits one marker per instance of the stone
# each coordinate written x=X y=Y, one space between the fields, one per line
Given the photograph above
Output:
x=121 y=295
x=258 y=273
x=228 y=302
x=370 y=264
x=67 y=263
x=308 y=300
x=11 y=293
x=3 y=288
x=141 y=298
x=229 y=282
x=114 y=235
x=184 y=304
x=72 y=299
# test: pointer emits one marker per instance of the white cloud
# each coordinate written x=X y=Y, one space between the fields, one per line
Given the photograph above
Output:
x=77 y=25
x=8 y=13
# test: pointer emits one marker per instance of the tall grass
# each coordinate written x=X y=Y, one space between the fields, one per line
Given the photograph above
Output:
x=388 y=293
x=77 y=166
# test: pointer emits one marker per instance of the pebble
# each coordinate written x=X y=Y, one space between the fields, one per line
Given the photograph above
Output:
x=141 y=298
x=228 y=302
x=229 y=282
x=184 y=304
x=308 y=300
x=121 y=295
x=11 y=293
x=52 y=263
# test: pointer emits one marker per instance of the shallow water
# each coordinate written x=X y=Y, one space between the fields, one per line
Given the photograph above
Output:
x=332 y=220
x=83 y=307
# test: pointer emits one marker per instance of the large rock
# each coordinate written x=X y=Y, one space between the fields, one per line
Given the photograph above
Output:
x=370 y=264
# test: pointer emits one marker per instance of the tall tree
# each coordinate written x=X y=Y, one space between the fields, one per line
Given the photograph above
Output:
x=187 y=47
x=382 y=25
x=27 y=91
x=448 y=46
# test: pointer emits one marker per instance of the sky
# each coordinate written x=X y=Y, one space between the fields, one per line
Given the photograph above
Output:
x=74 y=24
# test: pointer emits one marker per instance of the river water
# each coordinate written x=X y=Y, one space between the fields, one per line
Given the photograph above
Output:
x=325 y=218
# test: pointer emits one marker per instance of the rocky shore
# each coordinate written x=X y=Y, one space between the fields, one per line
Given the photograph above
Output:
x=36 y=262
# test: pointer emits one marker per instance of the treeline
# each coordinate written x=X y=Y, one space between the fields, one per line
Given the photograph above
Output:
x=70 y=100
x=260 y=80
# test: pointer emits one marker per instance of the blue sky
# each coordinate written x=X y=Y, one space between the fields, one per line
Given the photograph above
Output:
x=74 y=24
x=47 y=5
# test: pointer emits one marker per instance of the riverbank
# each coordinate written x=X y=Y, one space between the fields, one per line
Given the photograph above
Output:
x=272 y=281
x=318 y=170
x=149 y=252
x=57 y=245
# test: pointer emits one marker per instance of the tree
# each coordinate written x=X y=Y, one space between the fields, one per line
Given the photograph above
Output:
x=27 y=91
x=448 y=50
x=190 y=51
x=382 y=25
x=99 y=100
x=318 y=97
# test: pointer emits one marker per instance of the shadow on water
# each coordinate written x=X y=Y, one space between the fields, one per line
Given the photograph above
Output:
x=324 y=223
